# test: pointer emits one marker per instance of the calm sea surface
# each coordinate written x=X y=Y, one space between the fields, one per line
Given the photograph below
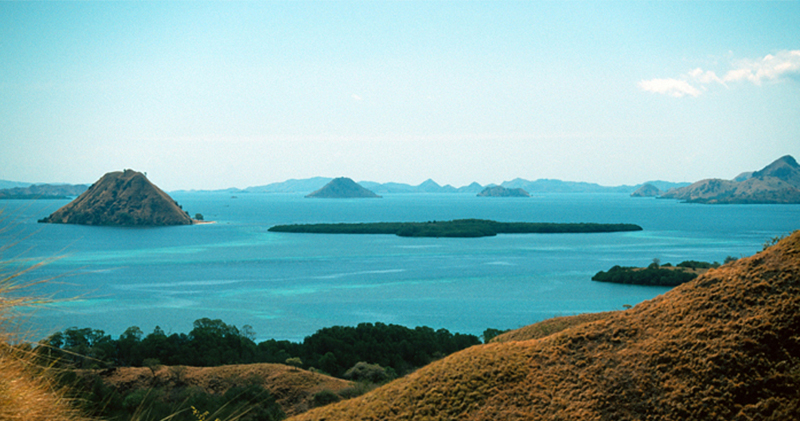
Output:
x=286 y=286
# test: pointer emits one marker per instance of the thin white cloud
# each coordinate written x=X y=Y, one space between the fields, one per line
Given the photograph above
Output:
x=672 y=87
x=772 y=67
x=705 y=77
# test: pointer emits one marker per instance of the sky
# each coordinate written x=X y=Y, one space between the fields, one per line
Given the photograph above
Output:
x=235 y=94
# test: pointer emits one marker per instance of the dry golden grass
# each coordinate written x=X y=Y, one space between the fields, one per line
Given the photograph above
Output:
x=725 y=346
x=548 y=327
x=27 y=390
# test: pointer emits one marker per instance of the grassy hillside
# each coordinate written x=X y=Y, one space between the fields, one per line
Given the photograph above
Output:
x=725 y=346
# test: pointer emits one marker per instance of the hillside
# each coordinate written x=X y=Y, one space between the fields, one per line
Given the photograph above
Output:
x=342 y=188
x=722 y=347
x=121 y=198
x=778 y=183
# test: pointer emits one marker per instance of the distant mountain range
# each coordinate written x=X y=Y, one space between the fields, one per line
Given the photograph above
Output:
x=429 y=186
x=778 y=182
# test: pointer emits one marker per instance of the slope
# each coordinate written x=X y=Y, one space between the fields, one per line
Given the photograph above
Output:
x=725 y=346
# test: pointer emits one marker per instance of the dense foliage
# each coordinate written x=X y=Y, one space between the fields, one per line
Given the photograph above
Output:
x=250 y=401
x=332 y=350
x=455 y=228
x=654 y=274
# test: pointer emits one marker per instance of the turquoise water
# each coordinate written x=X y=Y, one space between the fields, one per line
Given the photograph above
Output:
x=289 y=285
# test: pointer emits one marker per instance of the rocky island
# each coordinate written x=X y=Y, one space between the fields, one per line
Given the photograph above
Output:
x=342 y=188
x=500 y=191
x=125 y=198
x=777 y=183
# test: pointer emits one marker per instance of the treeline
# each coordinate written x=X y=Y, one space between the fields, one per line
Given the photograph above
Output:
x=332 y=350
x=455 y=228
x=654 y=274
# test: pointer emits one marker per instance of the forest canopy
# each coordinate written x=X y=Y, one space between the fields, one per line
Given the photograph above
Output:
x=332 y=350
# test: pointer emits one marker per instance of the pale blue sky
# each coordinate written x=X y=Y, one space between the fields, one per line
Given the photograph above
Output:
x=229 y=94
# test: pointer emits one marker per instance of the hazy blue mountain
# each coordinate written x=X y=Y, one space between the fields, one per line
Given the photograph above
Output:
x=647 y=190
x=43 y=191
x=6 y=184
x=343 y=188
x=305 y=185
x=545 y=185
x=663 y=185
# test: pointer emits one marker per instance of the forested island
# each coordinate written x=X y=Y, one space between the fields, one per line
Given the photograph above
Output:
x=454 y=228
x=656 y=274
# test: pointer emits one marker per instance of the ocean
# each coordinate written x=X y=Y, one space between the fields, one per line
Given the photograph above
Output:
x=287 y=286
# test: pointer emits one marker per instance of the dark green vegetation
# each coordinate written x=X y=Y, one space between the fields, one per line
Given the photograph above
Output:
x=332 y=350
x=172 y=400
x=655 y=275
x=455 y=228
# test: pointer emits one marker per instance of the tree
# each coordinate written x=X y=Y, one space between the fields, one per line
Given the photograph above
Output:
x=294 y=362
x=490 y=333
